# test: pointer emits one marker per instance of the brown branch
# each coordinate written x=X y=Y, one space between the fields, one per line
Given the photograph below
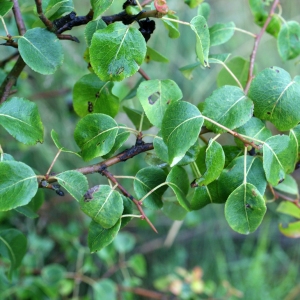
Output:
x=68 y=37
x=128 y=195
x=148 y=294
x=43 y=18
x=256 y=43
x=18 y=17
x=143 y=73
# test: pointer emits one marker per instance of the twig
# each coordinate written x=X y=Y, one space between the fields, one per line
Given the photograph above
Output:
x=256 y=43
x=68 y=37
x=18 y=17
x=143 y=73
x=43 y=18
x=128 y=195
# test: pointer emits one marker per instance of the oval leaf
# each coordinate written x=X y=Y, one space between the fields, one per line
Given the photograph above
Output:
x=56 y=141
x=41 y=50
x=146 y=180
x=220 y=33
x=105 y=207
x=117 y=51
x=100 y=237
x=181 y=126
x=20 y=117
x=214 y=161
x=74 y=182
x=245 y=209
x=200 y=27
x=229 y=106
x=18 y=184
x=155 y=96
x=91 y=95
x=95 y=135
x=100 y=6
x=292 y=230
x=276 y=98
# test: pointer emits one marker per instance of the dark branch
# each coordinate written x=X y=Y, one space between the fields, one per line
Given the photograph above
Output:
x=43 y=18
x=18 y=17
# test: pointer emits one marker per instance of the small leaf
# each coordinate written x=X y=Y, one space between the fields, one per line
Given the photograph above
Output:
x=204 y=10
x=296 y=132
x=66 y=7
x=254 y=128
x=91 y=28
x=153 y=55
x=105 y=288
x=245 y=209
x=193 y=3
x=214 y=160
x=178 y=181
x=5 y=7
x=95 y=134
x=20 y=117
x=99 y=237
x=220 y=33
x=135 y=117
x=127 y=203
x=53 y=6
x=155 y=96
x=181 y=126
x=13 y=246
x=172 y=27
x=239 y=66
x=56 y=141
x=105 y=207
x=74 y=182
x=27 y=211
x=277 y=158
x=188 y=70
x=117 y=51
x=218 y=58
x=288 y=40
x=41 y=50
x=18 y=184
x=146 y=180
x=100 y=6
x=276 y=98
x=91 y=95
x=137 y=263
x=200 y=27
x=289 y=208
x=289 y=186
x=229 y=106
x=124 y=242
x=292 y=230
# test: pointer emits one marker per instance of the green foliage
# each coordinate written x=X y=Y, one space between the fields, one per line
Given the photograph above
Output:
x=186 y=170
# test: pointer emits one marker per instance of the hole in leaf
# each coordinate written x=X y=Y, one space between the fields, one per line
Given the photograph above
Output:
x=153 y=98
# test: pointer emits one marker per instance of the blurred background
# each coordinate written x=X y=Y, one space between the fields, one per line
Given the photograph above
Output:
x=198 y=258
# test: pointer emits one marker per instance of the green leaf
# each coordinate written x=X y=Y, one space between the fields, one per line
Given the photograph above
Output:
x=218 y=58
x=127 y=204
x=178 y=181
x=174 y=211
x=55 y=139
x=261 y=12
x=214 y=160
x=229 y=106
x=204 y=10
x=117 y=51
x=181 y=126
x=95 y=134
x=105 y=288
x=220 y=33
x=289 y=186
x=172 y=27
x=146 y=180
x=5 y=7
x=99 y=237
x=100 y=6
x=292 y=230
x=239 y=66
x=296 y=132
x=105 y=207
x=231 y=152
x=18 y=184
x=53 y=274
x=66 y=7
x=91 y=95
x=41 y=50
x=278 y=158
x=124 y=242
x=155 y=97
x=27 y=212
x=245 y=209
x=137 y=263
x=232 y=177
x=74 y=182
x=188 y=70
x=13 y=246
x=121 y=138
x=276 y=98
x=193 y=3
x=53 y=6
x=254 y=128
x=91 y=28
x=289 y=208
x=200 y=27
x=20 y=117
x=288 y=40
x=135 y=117
x=153 y=55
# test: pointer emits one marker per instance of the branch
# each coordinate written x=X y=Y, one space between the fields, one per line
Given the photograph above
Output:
x=43 y=18
x=256 y=43
x=128 y=195
x=18 y=17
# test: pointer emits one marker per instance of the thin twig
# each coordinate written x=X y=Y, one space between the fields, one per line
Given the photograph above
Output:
x=18 y=17
x=143 y=73
x=256 y=43
x=43 y=18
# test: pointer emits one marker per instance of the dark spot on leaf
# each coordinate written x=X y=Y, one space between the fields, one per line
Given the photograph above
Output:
x=120 y=70
x=297 y=165
x=271 y=67
x=248 y=205
x=90 y=107
x=254 y=193
x=88 y=196
x=281 y=180
x=277 y=71
x=204 y=25
x=168 y=102
x=268 y=113
x=153 y=98
x=60 y=193
x=97 y=95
